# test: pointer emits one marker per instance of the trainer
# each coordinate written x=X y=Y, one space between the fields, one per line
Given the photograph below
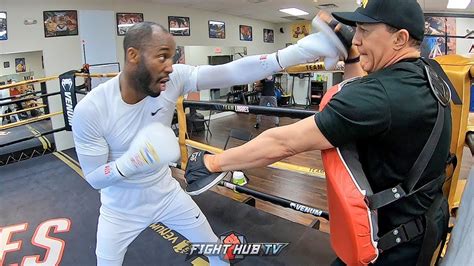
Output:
x=388 y=115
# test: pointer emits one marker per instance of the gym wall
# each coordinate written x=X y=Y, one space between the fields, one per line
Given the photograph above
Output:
x=64 y=53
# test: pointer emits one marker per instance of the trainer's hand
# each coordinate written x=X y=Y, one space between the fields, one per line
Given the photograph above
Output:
x=196 y=167
x=152 y=148
x=308 y=49
x=198 y=177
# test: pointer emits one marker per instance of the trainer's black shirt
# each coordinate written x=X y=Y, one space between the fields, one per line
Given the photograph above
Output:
x=390 y=114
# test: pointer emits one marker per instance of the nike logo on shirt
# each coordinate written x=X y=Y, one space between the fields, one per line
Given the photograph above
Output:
x=198 y=215
x=155 y=112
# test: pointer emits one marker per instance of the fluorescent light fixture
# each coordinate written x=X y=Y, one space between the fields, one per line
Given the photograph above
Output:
x=295 y=11
x=458 y=4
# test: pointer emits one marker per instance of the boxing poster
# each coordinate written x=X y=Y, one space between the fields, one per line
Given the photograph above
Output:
x=127 y=20
x=20 y=65
x=437 y=39
x=435 y=25
x=245 y=33
x=300 y=30
x=179 y=56
x=216 y=29
x=268 y=35
x=3 y=26
x=179 y=26
x=60 y=23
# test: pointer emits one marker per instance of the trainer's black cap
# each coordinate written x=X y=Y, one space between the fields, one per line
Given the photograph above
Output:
x=400 y=14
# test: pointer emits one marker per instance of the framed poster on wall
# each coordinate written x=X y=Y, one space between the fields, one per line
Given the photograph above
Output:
x=60 y=23
x=179 y=26
x=268 y=35
x=435 y=25
x=245 y=33
x=447 y=34
x=300 y=30
x=216 y=29
x=437 y=41
x=127 y=20
x=3 y=26
x=20 y=65
x=179 y=56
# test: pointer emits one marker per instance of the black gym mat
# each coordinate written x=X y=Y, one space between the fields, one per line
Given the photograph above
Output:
x=44 y=188
x=12 y=134
x=23 y=131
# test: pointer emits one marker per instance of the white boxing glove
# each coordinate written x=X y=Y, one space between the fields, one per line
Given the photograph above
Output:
x=308 y=49
x=330 y=62
x=338 y=34
x=152 y=148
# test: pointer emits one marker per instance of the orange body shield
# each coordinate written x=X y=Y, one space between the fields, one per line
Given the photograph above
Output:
x=353 y=225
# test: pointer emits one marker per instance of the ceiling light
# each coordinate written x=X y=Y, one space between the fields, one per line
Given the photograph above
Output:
x=458 y=4
x=295 y=11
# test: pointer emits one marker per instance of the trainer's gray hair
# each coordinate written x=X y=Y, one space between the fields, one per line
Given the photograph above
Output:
x=140 y=34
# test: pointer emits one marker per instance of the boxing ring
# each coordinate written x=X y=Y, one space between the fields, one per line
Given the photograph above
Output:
x=32 y=136
x=49 y=212
x=24 y=139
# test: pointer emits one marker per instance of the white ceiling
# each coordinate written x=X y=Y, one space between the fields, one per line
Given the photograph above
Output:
x=267 y=10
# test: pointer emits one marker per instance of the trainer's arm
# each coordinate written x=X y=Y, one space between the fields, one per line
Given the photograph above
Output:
x=271 y=146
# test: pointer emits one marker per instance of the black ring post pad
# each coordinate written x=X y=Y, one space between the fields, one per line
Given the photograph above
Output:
x=67 y=87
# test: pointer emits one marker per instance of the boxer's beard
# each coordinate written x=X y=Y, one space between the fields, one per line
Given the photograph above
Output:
x=144 y=79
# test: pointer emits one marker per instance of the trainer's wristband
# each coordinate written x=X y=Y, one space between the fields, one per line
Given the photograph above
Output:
x=352 y=60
